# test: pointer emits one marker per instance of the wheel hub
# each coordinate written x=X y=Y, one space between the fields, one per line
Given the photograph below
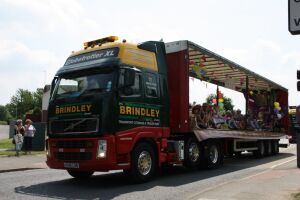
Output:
x=194 y=152
x=213 y=154
x=144 y=163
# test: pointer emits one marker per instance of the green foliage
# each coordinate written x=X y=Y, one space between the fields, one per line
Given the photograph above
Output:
x=6 y=144
x=296 y=196
x=10 y=148
x=3 y=122
x=38 y=98
x=4 y=114
x=209 y=98
x=227 y=102
x=25 y=101
x=37 y=111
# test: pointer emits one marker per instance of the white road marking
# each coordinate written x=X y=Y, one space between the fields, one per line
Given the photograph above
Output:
x=245 y=178
x=283 y=163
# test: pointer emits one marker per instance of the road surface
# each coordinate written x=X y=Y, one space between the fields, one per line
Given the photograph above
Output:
x=239 y=178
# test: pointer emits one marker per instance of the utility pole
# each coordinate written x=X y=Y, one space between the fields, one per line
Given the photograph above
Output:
x=298 y=136
x=298 y=121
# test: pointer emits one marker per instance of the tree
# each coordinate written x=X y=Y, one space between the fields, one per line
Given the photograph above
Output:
x=4 y=114
x=227 y=102
x=38 y=98
x=25 y=101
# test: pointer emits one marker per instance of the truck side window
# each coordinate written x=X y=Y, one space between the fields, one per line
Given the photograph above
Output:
x=134 y=90
x=151 y=85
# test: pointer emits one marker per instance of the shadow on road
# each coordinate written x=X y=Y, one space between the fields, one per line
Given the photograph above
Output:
x=108 y=186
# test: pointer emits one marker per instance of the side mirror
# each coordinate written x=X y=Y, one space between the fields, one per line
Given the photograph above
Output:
x=129 y=77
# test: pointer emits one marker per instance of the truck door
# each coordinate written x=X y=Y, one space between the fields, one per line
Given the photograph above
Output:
x=130 y=100
x=152 y=98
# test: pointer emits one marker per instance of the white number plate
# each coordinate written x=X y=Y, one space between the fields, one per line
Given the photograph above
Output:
x=71 y=165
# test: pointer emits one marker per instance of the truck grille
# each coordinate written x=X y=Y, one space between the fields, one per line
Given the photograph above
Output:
x=73 y=156
x=74 y=126
x=74 y=144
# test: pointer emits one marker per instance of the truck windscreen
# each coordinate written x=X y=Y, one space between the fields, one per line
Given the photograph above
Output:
x=80 y=85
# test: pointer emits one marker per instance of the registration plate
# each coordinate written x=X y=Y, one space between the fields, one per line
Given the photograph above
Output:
x=71 y=165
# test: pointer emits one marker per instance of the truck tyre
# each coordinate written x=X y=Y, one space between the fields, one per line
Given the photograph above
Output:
x=80 y=174
x=143 y=163
x=192 y=153
x=261 y=151
x=268 y=146
x=275 y=147
x=213 y=155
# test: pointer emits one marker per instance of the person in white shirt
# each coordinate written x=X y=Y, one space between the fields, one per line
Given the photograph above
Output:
x=29 y=134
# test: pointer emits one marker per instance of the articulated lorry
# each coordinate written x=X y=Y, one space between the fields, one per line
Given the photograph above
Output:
x=121 y=106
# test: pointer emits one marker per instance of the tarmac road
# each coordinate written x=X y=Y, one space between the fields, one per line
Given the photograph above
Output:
x=273 y=177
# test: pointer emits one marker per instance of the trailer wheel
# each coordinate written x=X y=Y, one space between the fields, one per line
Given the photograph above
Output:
x=80 y=174
x=143 y=165
x=275 y=147
x=261 y=151
x=192 y=153
x=213 y=155
x=268 y=146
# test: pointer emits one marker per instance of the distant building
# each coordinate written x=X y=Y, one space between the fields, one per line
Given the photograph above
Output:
x=45 y=103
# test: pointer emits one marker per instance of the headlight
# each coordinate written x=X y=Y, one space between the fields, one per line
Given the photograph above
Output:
x=48 y=147
x=102 y=147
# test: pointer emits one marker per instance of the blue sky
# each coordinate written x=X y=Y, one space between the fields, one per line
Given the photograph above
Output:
x=37 y=36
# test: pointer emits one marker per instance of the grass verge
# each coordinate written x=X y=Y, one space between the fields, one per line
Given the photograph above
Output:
x=6 y=144
x=9 y=149
x=296 y=196
x=11 y=152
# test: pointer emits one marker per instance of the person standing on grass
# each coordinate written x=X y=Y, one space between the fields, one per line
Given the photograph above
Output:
x=29 y=134
x=19 y=128
x=18 y=137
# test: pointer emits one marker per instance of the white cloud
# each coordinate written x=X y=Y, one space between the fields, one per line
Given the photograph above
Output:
x=22 y=67
x=292 y=58
x=267 y=46
x=53 y=14
x=16 y=30
x=11 y=48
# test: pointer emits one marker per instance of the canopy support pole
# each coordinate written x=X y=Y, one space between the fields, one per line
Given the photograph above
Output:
x=218 y=97
x=247 y=95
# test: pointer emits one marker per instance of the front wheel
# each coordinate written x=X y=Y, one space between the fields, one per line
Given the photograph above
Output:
x=143 y=165
x=80 y=174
